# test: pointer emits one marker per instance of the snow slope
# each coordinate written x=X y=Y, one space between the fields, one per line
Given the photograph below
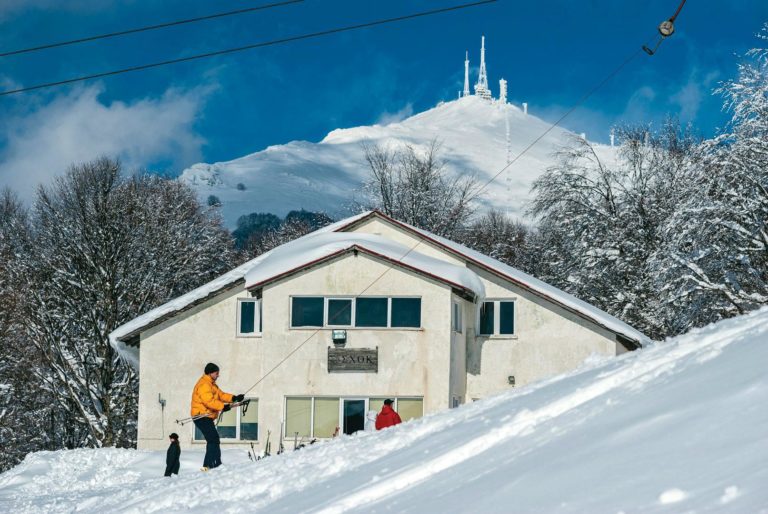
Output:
x=325 y=176
x=680 y=426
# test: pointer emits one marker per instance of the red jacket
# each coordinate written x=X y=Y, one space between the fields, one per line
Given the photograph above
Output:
x=387 y=418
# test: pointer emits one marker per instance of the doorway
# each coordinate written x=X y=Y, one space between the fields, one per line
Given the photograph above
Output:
x=353 y=414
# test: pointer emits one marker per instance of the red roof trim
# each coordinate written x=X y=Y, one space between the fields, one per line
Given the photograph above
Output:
x=364 y=250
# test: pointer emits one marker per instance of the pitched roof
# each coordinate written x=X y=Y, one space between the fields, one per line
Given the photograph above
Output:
x=333 y=240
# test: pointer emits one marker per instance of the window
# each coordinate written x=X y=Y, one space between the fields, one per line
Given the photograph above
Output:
x=298 y=416
x=339 y=312
x=363 y=312
x=456 y=317
x=236 y=426
x=409 y=408
x=406 y=312
x=497 y=317
x=248 y=316
x=321 y=416
x=307 y=311
x=371 y=312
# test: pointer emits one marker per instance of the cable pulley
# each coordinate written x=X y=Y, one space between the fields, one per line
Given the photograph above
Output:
x=666 y=28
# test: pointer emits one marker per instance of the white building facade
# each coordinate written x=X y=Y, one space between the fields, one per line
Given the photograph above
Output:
x=321 y=330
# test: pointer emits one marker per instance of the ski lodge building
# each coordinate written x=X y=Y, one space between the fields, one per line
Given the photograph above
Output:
x=321 y=330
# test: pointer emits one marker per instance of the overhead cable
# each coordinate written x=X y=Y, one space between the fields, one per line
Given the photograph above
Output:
x=247 y=47
x=148 y=28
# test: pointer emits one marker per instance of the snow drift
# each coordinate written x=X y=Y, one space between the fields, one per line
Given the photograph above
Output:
x=678 y=426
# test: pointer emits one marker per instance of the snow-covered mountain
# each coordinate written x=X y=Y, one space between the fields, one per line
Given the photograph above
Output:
x=679 y=426
x=326 y=176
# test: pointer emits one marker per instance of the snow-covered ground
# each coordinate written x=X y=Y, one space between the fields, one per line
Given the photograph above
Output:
x=327 y=175
x=680 y=426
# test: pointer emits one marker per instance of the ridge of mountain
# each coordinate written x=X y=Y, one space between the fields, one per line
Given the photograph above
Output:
x=328 y=175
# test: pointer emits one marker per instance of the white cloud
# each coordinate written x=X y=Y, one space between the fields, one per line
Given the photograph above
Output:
x=396 y=117
x=78 y=127
x=689 y=97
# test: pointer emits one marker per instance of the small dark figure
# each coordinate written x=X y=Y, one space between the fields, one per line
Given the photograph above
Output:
x=172 y=456
x=387 y=417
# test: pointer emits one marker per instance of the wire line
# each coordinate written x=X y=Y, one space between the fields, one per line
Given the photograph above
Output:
x=248 y=47
x=148 y=28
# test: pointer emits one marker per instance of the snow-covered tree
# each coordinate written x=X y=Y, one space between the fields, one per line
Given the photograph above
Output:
x=105 y=249
x=601 y=221
x=499 y=236
x=413 y=186
x=25 y=410
x=716 y=262
x=295 y=225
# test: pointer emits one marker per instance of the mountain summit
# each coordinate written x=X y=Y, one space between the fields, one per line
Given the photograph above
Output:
x=477 y=136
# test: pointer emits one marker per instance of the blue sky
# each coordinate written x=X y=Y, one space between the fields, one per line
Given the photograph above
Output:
x=222 y=108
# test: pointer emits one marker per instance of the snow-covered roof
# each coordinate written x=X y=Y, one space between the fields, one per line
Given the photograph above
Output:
x=520 y=278
x=298 y=254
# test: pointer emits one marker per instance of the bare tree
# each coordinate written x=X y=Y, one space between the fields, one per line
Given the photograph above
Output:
x=413 y=186
x=105 y=249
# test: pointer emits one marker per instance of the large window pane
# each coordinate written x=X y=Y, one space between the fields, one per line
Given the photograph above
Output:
x=307 y=312
x=506 y=317
x=298 y=412
x=406 y=312
x=326 y=416
x=486 y=318
x=410 y=408
x=249 y=422
x=371 y=312
x=376 y=404
x=247 y=317
x=227 y=426
x=340 y=312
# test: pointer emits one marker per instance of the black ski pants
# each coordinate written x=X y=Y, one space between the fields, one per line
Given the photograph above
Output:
x=212 y=448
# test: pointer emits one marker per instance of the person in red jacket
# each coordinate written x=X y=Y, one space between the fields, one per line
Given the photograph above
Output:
x=387 y=417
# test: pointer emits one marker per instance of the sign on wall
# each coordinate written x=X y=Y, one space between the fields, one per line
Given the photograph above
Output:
x=364 y=360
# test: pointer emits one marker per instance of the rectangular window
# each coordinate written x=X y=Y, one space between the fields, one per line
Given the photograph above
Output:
x=249 y=422
x=371 y=312
x=326 y=417
x=486 y=318
x=307 y=311
x=406 y=312
x=497 y=317
x=339 y=312
x=456 y=324
x=298 y=416
x=506 y=318
x=234 y=425
x=410 y=408
x=249 y=316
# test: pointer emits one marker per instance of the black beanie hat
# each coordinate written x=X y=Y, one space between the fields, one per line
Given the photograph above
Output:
x=211 y=368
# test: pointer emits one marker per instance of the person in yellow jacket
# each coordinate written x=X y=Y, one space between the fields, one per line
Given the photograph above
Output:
x=208 y=399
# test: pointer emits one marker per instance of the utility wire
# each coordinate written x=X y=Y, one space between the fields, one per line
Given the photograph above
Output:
x=148 y=28
x=579 y=102
x=249 y=47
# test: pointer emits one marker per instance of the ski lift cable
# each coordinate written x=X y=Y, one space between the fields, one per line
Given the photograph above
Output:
x=578 y=103
x=149 y=27
x=273 y=42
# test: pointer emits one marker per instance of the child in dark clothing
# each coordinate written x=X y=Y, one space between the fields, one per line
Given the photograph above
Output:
x=172 y=456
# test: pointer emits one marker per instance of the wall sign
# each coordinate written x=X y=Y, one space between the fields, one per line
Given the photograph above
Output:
x=364 y=360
